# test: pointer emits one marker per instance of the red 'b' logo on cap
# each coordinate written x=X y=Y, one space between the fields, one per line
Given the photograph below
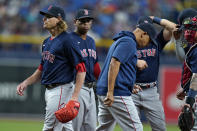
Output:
x=50 y=7
x=85 y=12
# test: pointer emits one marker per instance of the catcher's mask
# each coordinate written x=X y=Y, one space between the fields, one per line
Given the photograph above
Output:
x=190 y=29
x=190 y=36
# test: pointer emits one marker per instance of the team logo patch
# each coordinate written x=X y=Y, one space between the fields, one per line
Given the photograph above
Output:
x=46 y=55
x=146 y=53
x=85 y=12
x=88 y=52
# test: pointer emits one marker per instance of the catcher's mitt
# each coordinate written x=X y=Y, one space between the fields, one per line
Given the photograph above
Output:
x=68 y=112
x=186 y=119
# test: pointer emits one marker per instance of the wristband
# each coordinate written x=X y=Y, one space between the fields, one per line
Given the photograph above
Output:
x=157 y=20
x=190 y=101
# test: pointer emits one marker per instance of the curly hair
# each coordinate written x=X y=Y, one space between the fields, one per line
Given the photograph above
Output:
x=62 y=26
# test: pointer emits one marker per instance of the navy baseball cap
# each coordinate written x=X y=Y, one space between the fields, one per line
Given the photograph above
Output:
x=54 y=11
x=149 y=28
x=84 y=13
x=144 y=19
x=186 y=13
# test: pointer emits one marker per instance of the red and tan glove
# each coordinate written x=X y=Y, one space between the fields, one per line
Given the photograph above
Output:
x=68 y=112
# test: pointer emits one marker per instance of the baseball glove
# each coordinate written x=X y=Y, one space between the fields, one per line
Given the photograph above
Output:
x=186 y=119
x=68 y=112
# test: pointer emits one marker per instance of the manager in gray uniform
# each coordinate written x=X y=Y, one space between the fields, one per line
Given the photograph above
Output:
x=148 y=98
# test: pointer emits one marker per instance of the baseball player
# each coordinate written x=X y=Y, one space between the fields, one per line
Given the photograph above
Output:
x=60 y=58
x=189 y=76
x=86 y=119
x=148 y=98
x=181 y=44
x=185 y=50
x=116 y=80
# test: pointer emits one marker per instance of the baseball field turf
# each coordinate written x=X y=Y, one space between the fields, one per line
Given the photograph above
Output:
x=36 y=125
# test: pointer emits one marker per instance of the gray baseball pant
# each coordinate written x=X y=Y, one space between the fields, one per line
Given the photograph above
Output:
x=86 y=119
x=195 y=115
x=122 y=111
x=56 y=98
x=148 y=100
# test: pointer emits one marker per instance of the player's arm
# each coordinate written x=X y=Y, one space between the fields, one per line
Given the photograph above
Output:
x=180 y=53
x=193 y=83
x=168 y=26
x=72 y=52
x=192 y=91
x=125 y=49
x=35 y=77
x=171 y=31
x=112 y=74
x=80 y=77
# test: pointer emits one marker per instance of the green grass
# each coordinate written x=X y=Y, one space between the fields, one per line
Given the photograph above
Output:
x=147 y=127
x=20 y=125
x=36 y=125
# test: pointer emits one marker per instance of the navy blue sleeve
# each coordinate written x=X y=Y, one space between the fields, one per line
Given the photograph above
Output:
x=73 y=53
x=193 y=61
x=160 y=40
x=124 y=50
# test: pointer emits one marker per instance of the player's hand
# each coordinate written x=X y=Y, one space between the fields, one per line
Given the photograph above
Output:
x=109 y=99
x=74 y=98
x=20 y=88
x=180 y=94
x=185 y=105
x=136 y=89
x=177 y=33
x=141 y=64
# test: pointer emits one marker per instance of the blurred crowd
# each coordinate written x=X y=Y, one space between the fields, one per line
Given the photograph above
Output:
x=22 y=16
